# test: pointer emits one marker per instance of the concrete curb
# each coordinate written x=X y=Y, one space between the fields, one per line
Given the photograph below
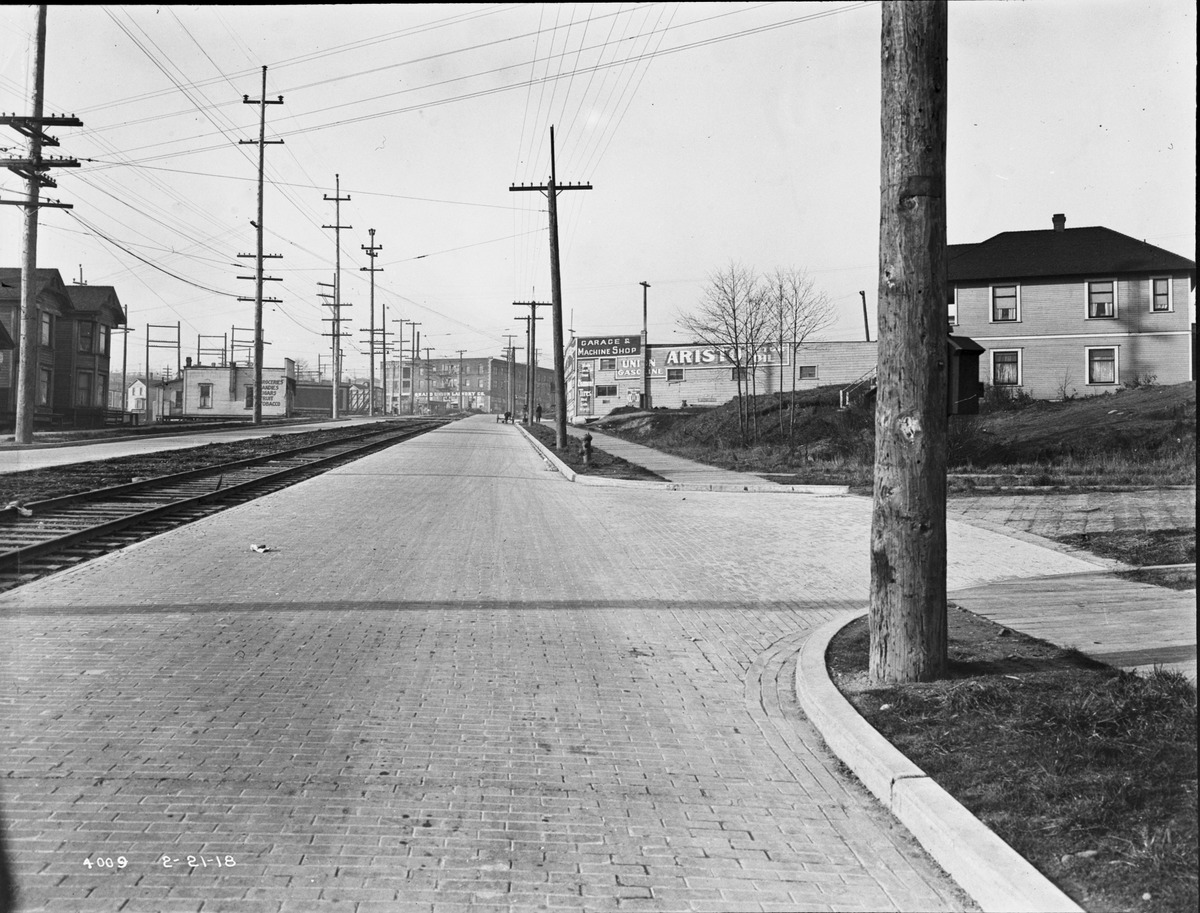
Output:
x=998 y=878
x=827 y=491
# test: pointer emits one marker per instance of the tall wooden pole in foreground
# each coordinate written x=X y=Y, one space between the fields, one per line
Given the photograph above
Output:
x=908 y=526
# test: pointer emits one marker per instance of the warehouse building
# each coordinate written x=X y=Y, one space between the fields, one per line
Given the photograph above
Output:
x=606 y=372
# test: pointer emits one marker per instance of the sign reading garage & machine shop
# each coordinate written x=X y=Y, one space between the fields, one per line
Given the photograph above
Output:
x=608 y=346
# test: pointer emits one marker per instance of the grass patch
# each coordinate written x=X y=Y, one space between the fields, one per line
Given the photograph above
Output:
x=1087 y=772
x=1144 y=549
x=601 y=464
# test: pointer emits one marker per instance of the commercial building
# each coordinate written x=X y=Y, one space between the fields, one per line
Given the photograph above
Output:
x=1067 y=312
x=440 y=385
x=606 y=372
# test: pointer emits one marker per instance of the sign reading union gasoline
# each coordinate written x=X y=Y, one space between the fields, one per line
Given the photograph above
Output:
x=609 y=346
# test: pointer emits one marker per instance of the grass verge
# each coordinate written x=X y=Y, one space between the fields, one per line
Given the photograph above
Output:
x=1087 y=772
x=602 y=464
x=1145 y=549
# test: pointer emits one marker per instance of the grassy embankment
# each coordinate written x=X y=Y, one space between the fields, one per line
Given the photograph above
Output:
x=1138 y=437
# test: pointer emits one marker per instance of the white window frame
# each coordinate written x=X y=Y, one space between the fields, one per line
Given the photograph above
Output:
x=1170 y=294
x=816 y=373
x=1020 y=368
x=206 y=396
x=1087 y=366
x=678 y=378
x=952 y=309
x=1087 y=299
x=608 y=364
x=992 y=301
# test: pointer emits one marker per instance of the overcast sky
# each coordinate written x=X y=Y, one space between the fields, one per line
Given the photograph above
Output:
x=711 y=132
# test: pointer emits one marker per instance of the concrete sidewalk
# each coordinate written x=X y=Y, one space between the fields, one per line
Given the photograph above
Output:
x=688 y=474
x=44 y=454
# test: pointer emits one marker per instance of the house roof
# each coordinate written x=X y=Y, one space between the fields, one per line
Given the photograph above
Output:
x=10 y=281
x=94 y=298
x=1092 y=251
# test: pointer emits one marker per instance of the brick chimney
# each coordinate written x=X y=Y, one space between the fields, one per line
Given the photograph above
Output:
x=1060 y=221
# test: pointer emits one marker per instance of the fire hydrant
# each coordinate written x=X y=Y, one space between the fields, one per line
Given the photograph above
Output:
x=587 y=450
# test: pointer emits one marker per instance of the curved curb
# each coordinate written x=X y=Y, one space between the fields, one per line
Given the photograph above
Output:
x=826 y=491
x=998 y=878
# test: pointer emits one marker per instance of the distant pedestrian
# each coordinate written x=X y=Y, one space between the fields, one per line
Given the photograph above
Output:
x=524 y=415
x=537 y=413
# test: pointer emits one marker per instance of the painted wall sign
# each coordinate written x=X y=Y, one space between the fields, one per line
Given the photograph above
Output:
x=712 y=357
x=608 y=346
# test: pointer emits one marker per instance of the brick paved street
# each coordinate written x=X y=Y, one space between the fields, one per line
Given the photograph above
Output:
x=455 y=682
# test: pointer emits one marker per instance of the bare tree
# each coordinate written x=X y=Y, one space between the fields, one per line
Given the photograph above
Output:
x=720 y=321
x=800 y=312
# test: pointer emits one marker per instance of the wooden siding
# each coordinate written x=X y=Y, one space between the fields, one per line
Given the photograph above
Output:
x=1054 y=333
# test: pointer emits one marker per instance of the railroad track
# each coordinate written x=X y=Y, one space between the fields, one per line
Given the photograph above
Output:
x=42 y=537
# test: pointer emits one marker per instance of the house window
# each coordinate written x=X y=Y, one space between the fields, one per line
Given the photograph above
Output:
x=83 y=388
x=1102 y=299
x=206 y=396
x=407 y=373
x=87 y=331
x=46 y=329
x=807 y=372
x=103 y=338
x=1005 y=304
x=1006 y=368
x=44 y=387
x=249 y=396
x=737 y=374
x=102 y=392
x=1102 y=366
x=674 y=375
x=608 y=364
x=606 y=390
x=952 y=310
x=1160 y=294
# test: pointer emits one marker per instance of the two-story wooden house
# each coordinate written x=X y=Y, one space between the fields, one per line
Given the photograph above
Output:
x=50 y=297
x=84 y=344
x=1073 y=311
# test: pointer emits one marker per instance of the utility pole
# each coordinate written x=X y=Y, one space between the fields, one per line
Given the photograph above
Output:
x=908 y=523
x=866 y=321
x=512 y=375
x=329 y=300
x=552 y=191
x=531 y=352
x=383 y=344
x=412 y=368
x=33 y=168
x=428 y=397
x=337 y=227
x=645 y=349
x=258 y=269
x=372 y=252
x=460 y=378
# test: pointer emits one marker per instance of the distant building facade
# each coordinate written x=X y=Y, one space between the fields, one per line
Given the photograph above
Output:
x=440 y=385
x=1073 y=312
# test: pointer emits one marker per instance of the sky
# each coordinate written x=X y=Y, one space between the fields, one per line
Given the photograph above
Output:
x=711 y=134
